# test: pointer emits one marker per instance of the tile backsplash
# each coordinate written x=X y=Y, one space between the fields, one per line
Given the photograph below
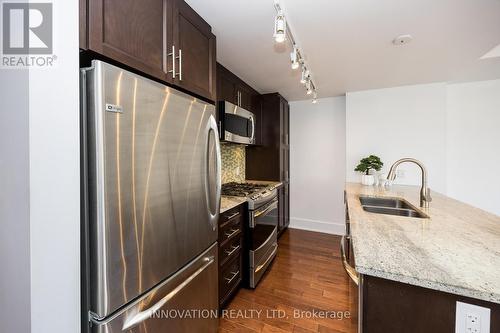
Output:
x=233 y=163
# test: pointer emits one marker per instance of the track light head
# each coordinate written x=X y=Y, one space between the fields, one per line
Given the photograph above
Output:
x=305 y=75
x=280 y=28
x=294 y=58
x=309 y=87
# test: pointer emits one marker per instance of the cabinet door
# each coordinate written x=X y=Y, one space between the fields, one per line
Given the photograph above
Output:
x=131 y=32
x=281 y=211
x=226 y=90
x=245 y=97
x=286 y=208
x=82 y=12
x=196 y=45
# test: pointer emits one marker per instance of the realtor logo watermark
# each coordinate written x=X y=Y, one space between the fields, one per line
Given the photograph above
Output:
x=27 y=35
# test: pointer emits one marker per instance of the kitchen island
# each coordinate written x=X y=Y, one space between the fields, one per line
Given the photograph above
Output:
x=452 y=255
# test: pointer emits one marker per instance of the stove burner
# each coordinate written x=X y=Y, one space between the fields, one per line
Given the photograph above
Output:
x=241 y=189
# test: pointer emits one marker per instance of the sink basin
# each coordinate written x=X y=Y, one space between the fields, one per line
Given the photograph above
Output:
x=390 y=206
x=385 y=202
x=394 y=211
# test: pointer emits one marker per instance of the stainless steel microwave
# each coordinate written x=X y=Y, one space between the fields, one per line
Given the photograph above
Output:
x=236 y=124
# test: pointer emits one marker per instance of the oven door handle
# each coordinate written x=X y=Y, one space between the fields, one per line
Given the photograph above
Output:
x=351 y=271
x=273 y=253
x=273 y=205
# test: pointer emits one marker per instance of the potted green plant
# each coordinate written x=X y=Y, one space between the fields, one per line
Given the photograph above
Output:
x=366 y=164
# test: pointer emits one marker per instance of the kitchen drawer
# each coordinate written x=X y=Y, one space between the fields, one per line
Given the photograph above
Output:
x=230 y=278
x=230 y=230
x=236 y=212
x=230 y=250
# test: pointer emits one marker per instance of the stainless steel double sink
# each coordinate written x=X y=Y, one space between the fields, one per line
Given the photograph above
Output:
x=390 y=206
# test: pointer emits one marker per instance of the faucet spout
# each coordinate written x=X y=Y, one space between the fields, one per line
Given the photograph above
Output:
x=425 y=191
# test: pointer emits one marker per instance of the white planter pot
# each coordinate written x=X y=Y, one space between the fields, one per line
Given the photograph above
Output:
x=367 y=180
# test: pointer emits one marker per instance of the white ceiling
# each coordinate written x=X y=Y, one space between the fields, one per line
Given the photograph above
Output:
x=348 y=43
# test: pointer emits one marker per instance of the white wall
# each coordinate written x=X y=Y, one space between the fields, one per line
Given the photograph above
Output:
x=399 y=122
x=317 y=165
x=474 y=143
x=15 y=290
x=40 y=274
x=452 y=128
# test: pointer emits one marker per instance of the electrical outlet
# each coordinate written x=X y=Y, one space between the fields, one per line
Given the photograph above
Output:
x=237 y=171
x=473 y=323
x=472 y=319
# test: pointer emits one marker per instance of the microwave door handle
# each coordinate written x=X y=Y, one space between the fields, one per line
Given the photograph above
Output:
x=252 y=137
x=212 y=130
x=146 y=314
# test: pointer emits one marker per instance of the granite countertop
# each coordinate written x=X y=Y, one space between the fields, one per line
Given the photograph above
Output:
x=456 y=250
x=228 y=202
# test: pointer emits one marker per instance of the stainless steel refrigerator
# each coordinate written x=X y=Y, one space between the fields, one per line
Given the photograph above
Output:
x=152 y=178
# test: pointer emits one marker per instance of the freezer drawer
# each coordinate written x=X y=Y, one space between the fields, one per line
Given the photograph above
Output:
x=186 y=302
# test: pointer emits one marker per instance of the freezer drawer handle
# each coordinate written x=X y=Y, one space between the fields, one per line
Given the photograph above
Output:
x=146 y=314
x=348 y=268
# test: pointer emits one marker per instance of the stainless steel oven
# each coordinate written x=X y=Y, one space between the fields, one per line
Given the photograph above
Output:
x=236 y=124
x=263 y=235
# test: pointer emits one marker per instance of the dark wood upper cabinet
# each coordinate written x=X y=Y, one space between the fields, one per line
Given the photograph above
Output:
x=226 y=88
x=196 y=45
x=130 y=32
x=271 y=160
x=82 y=17
x=157 y=37
x=246 y=95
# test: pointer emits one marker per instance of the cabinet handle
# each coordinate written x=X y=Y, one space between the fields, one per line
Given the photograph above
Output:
x=232 y=215
x=351 y=271
x=174 y=73
x=232 y=233
x=233 y=249
x=229 y=280
x=180 y=65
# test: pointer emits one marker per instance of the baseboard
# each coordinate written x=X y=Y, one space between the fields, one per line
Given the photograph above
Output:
x=335 y=228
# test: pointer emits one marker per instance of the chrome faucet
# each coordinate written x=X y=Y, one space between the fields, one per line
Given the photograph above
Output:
x=425 y=191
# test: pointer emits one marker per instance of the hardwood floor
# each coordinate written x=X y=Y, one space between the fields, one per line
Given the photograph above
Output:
x=306 y=279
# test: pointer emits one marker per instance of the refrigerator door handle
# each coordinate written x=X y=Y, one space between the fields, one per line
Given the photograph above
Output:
x=213 y=215
x=148 y=313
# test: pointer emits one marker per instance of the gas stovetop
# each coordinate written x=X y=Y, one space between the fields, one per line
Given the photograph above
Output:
x=257 y=194
x=242 y=189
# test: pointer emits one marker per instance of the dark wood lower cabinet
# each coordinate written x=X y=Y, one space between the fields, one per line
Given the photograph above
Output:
x=390 y=306
x=231 y=252
x=284 y=208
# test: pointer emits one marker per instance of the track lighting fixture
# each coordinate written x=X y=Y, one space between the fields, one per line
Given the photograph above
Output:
x=282 y=32
x=280 y=28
